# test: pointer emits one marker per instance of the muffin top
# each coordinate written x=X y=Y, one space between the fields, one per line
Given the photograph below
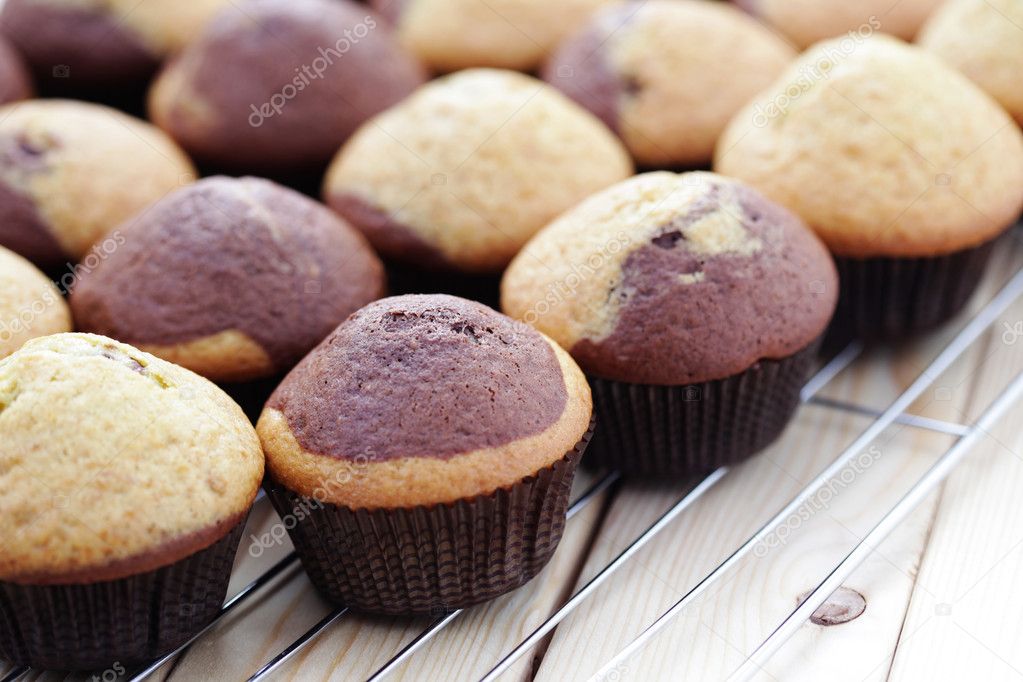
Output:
x=668 y=75
x=463 y=172
x=423 y=399
x=449 y=35
x=674 y=279
x=114 y=462
x=15 y=82
x=982 y=38
x=884 y=151
x=232 y=278
x=807 y=21
x=101 y=41
x=30 y=304
x=280 y=85
x=66 y=169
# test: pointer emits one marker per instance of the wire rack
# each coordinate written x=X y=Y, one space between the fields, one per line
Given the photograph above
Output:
x=965 y=436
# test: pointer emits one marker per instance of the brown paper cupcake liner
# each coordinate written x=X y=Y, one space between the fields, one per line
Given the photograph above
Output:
x=648 y=430
x=127 y=621
x=432 y=559
x=888 y=299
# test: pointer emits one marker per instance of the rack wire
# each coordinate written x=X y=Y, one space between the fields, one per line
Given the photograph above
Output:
x=966 y=436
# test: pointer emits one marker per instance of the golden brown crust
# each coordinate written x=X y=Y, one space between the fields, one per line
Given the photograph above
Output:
x=883 y=150
x=982 y=38
x=226 y=356
x=134 y=463
x=474 y=163
x=412 y=481
x=30 y=304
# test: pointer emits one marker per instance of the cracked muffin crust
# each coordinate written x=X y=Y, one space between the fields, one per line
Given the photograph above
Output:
x=233 y=278
x=114 y=462
x=65 y=167
x=669 y=279
x=464 y=171
x=423 y=400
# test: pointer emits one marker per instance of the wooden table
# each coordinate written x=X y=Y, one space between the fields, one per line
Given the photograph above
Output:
x=942 y=594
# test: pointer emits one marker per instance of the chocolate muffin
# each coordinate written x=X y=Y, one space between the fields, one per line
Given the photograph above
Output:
x=291 y=82
x=694 y=305
x=15 y=81
x=71 y=171
x=426 y=451
x=449 y=35
x=807 y=21
x=461 y=174
x=235 y=279
x=906 y=170
x=127 y=481
x=101 y=42
x=981 y=38
x=30 y=304
x=668 y=75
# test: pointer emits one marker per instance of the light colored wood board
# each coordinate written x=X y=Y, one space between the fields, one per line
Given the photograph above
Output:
x=964 y=619
x=691 y=546
x=357 y=645
x=714 y=635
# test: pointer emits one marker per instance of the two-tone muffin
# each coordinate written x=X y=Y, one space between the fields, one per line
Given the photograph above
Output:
x=278 y=86
x=457 y=177
x=30 y=304
x=429 y=444
x=449 y=35
x=76 y=44
x=126 y=483
x=668 y=75
x=15 y=81
x=906 y=170
x=981 y=38
x=235 y=279
x=694 y=305
x=805 y=22
x=71 y=171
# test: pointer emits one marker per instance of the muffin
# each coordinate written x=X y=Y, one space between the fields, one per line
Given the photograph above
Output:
x=981 y=38
x=235 y=279
x=71 y=171
x=425 y=452
x=127 y=481
x=30 y=304
x=694 y=305
x=15 y=82
x=668 y=75
x=291 y=82
x=449 y=35
x=805 y=22
x=905 y=169
x=458 y=177
x=93 y=43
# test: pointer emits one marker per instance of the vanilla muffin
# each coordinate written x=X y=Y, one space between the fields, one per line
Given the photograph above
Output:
x=15 y=82
x=235 y=279
x=805 y=22
x=71 y=171
x=88 y=43
x=426 y=433
x=668 y=75
x=695 y=306
x=982 y=38
x=291 y=81
x=906 y=170
x=449 y=35
x=461 y=174
x=30 y=304
x=127 y=481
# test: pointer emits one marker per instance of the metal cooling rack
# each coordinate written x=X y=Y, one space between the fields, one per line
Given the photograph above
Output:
x=896 y=413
